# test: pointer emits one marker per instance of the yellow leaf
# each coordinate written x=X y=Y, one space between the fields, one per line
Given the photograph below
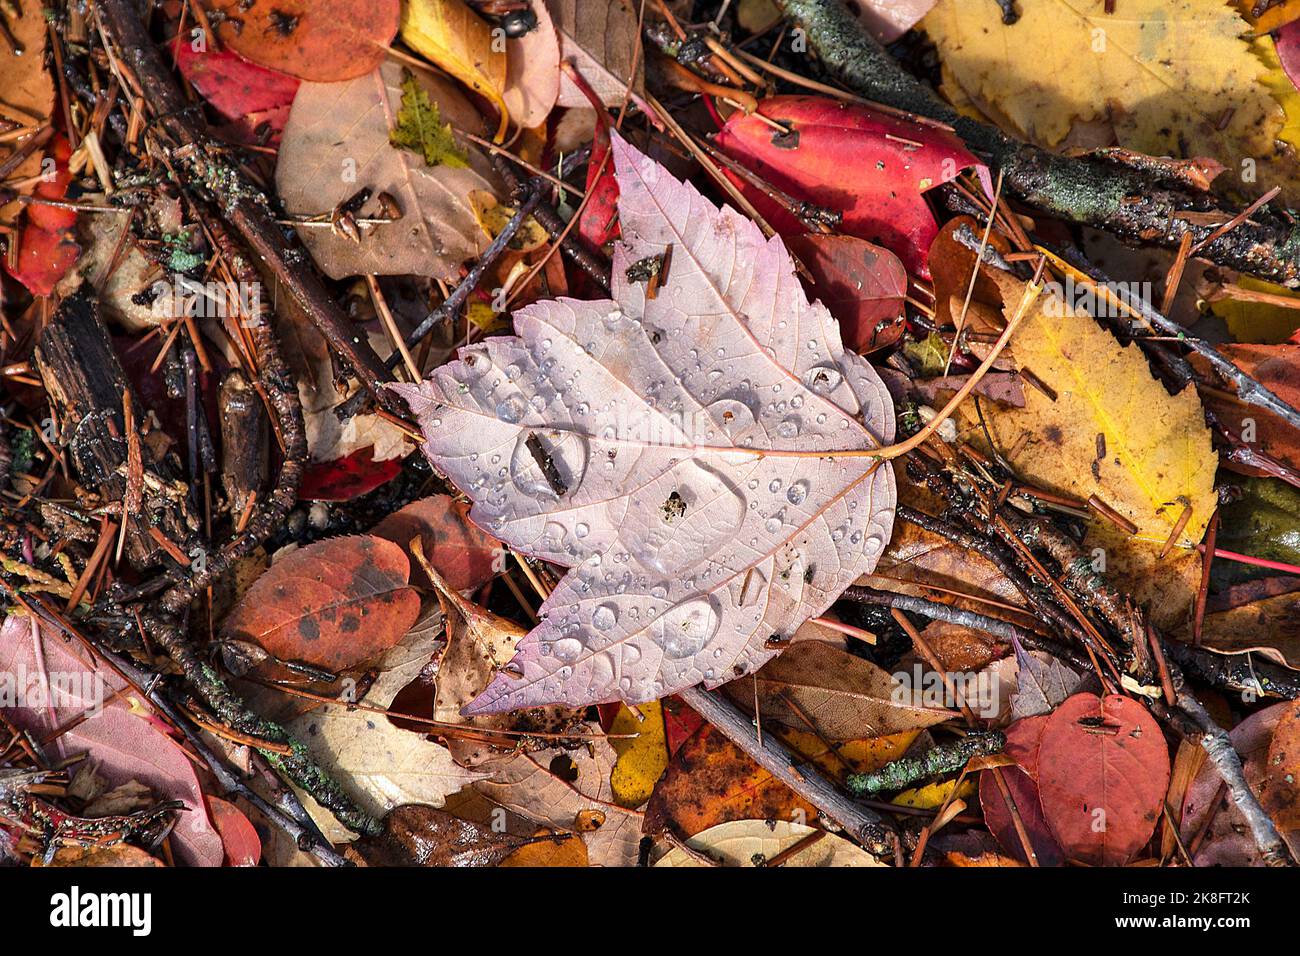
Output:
x=456 y=39
x=1173 y=77
x=1259 y=323
x=933 y=795
x=861 y=756
x=641 y=759
x=567 y=852
x=492 y=217
x=1157 y=452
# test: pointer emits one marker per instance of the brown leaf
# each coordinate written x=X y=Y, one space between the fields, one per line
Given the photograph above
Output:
x=845 y=697
x=712 y=781
x=336 y=142
x=861 y=283
x=601 y=40
x=333 y=604
x=479 y=643
x=419 y=835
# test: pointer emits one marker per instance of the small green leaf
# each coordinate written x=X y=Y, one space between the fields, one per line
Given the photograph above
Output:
x=420 y=128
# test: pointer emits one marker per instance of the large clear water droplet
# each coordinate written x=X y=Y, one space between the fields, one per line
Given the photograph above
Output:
x=684 y=630
x=797 y=492
x=567 y=649
x=604 y=617
x=548 y=464
x=823 y=379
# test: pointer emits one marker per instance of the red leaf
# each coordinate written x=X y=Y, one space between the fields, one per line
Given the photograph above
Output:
x=348 y=477
x=320 y=40
x=334 y=603
x=464 y=555
x=598 y=224
x=1287 y=41
x=862 y=284
x=239 y=839
x=1102 y=784
x=1022 y=744
x=870 y=166
x=241 y=91
x=47 y=245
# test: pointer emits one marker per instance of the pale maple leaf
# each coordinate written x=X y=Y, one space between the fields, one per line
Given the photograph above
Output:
x=676 y=453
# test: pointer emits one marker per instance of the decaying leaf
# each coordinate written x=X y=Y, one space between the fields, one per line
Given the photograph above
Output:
x=322 y=41
x=334 y=603
x=418 y=835
x=894 y=163
x=318 y=168
x=845 y=697
x=1103 y=769
x=679 y=465
x=465 y=556
x=1169 y=77
x=1090 y=400
x=601 y=42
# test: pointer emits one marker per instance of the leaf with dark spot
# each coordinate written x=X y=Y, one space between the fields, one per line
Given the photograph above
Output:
x=333 y=604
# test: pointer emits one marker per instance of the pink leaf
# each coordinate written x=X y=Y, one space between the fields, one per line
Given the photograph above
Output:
x=673 y=451
x=121 y=745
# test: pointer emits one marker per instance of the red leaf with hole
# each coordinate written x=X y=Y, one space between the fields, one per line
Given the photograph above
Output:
x=334 y=603
x=1103 y=769
x=868 y=165
x=47 y=245
x=464 y=555
x=861 y=283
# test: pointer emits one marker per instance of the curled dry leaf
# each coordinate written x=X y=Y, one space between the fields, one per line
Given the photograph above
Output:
x=480 y=643
x=419 y=835
x=677 y=452
x=324 y=41
x=333 y=604
x=336 y=143
x=756 y=842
